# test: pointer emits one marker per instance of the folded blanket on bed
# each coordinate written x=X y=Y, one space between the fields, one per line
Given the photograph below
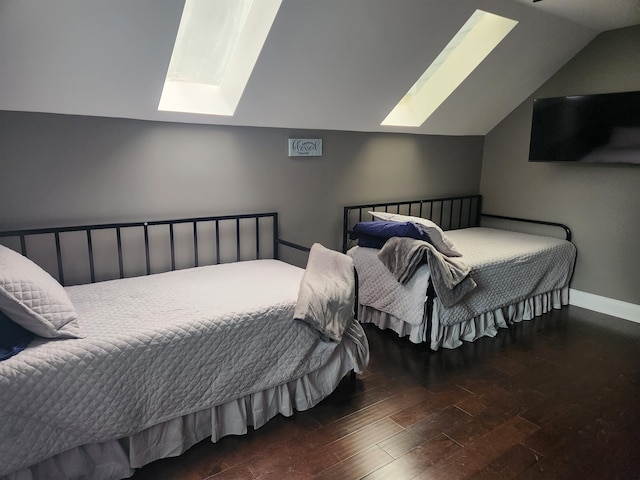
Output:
x=327 y=292
x=450 y=276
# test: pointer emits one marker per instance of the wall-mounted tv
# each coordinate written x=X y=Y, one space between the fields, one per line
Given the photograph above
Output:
x=602 y=128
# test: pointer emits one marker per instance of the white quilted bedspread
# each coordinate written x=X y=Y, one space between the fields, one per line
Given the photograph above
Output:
x=507 y=266
x=156 y=348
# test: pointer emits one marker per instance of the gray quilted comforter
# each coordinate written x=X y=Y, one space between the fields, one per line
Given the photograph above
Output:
x=156 y=348
x=508 y=267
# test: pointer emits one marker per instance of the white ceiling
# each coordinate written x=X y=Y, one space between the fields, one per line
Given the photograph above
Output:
x=598 y=14
x=326 y=64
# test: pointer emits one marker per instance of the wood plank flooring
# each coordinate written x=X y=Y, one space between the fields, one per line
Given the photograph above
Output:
x=555 y=398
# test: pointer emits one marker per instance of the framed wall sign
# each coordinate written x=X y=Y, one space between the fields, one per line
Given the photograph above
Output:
x=305 y=147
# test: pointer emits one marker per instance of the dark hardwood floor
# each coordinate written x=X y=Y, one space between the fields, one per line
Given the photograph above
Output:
x=558 y=398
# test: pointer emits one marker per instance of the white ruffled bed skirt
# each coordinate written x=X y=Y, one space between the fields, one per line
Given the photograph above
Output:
x=485 y=325
x=117 y=459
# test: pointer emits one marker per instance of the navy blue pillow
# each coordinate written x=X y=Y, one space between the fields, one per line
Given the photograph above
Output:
x=13 y=338
x=371 y=242
x=375 y=234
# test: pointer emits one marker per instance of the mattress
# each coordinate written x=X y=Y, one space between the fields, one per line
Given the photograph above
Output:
x=155 y=348
x=508 y=267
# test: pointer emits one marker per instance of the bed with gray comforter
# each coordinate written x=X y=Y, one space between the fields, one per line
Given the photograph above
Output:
x=517 y=276
x=491 y=279
x=143 y=368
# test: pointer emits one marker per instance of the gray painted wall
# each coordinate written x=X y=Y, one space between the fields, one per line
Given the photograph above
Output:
x=59 y=169
x=599 y=202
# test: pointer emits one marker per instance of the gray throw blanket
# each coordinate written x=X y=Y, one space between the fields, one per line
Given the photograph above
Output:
x=326 y=298
x=450 y=276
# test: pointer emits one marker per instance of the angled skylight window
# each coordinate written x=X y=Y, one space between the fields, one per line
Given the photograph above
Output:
x=466 y=50
x=217 y=46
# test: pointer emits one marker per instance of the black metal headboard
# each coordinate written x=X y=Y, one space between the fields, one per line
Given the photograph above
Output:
x=449 y=212
x=97 y=252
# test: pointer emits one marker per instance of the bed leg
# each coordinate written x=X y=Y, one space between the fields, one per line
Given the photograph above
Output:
x=356 y=299
x=428 y=314
x=344 y=391
x=350 y=383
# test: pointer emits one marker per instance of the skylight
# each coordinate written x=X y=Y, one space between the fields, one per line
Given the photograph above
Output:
x=217 y=46
x=466 y=50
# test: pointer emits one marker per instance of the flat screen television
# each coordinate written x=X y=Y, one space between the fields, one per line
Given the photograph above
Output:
x=602 y=128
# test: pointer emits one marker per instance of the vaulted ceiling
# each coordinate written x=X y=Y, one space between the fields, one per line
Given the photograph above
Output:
x=326 y=64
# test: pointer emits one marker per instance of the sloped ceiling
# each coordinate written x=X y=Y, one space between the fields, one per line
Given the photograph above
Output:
x=330 y=64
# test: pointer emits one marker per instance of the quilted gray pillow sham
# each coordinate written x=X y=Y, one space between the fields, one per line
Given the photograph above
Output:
x=34 y=299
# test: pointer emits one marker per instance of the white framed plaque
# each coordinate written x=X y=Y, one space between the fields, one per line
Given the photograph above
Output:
x=305 y=147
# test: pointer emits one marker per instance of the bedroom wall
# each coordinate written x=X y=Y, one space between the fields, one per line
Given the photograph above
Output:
x=59 y=169
x=599 y=202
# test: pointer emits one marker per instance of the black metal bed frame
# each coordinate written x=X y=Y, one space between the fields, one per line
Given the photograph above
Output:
x=449 y=213
x=262 y=228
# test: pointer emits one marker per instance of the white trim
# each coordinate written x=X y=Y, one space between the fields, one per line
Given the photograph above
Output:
x=609 y=306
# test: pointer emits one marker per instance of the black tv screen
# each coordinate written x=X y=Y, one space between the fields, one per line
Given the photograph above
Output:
x=602 y=128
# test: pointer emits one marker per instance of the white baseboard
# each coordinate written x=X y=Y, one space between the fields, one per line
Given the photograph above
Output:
x=609 y=306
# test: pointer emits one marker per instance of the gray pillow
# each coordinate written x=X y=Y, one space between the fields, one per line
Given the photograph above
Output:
x=34 y=299
x=326 y=298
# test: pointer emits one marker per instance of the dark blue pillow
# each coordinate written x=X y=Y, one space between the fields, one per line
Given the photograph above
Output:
x=375 y=234
x=371 y=242
x=13 y=338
